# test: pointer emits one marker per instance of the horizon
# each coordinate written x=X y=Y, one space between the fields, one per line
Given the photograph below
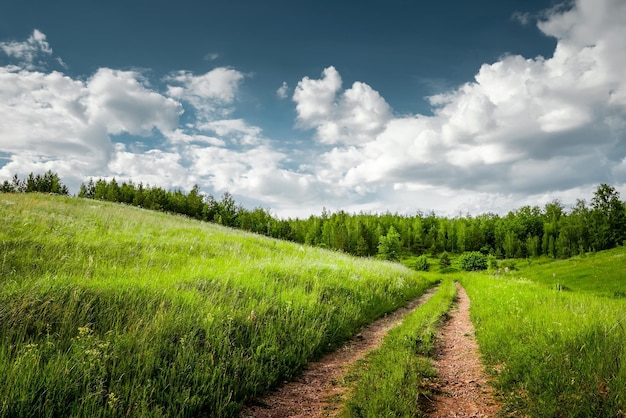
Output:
x=392 y=106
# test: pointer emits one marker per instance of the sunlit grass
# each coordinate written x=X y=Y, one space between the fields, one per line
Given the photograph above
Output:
x=391 y=380
x=110 y=310
x=553 y=353
x=602 y=273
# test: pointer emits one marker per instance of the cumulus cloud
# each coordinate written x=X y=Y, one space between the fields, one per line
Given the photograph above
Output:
x=54 y=115
x=237 y=130
x=523 y=131
x=352 y=117
x=28 y=52
x=208 y=93
x=282 y=91
x=51 y=121
x=154 y=167
x=120 y=102
x=523 y=126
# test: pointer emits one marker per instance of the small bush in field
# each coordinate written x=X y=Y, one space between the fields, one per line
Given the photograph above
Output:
x=473 y=261
x=444 y=261
x=421 y=264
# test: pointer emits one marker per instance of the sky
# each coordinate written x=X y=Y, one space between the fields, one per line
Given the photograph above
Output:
x=449 y=106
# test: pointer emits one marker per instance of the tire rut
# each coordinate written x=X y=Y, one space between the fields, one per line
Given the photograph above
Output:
x=316 y=393
x=461 y=388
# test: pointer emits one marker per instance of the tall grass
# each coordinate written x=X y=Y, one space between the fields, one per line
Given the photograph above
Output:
x=390 y=381
x=553 y=353
x=601 y=273
x=107 y=310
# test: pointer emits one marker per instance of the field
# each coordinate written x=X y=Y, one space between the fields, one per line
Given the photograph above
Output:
x=553 y=334
x=108 y=310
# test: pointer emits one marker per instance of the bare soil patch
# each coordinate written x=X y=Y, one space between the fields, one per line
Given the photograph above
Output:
x=461 y=388
x=317 y=392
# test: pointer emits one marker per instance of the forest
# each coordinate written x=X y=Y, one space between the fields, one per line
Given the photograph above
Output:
x=529 y=231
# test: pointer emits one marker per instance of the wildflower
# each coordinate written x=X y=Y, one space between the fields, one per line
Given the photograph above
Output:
x=252 y=316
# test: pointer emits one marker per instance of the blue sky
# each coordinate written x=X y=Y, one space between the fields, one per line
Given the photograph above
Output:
x=452 y=106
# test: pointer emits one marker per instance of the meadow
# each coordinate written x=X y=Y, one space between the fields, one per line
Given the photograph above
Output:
x=391 y=381
x=110 y=310
x=553 y=334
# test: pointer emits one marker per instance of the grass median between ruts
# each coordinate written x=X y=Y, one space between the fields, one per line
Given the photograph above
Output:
x=390 y=381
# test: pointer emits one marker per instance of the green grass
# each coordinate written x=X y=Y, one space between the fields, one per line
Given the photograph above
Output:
x=602 y=273
x=108 y=310
x=390 y=381
x=552 y=353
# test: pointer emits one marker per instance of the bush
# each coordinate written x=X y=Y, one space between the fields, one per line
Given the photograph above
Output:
x=473 y=261
x=421 y=264
x=509 y=264
x=444 y=261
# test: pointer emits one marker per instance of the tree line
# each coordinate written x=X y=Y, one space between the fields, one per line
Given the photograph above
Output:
x=530 y=231
x=46 y=183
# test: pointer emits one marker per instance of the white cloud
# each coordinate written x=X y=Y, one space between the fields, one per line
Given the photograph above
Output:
x=282 y=91
x=355 y=117
x=524 y=18
x=208 y=93
x=524 y=131
x=179 y=137
x=53 y=121
x=154 y=167
x=315 y=98
x=237 y=130
x=120 y=102
x=523 y=126
x=29 y=51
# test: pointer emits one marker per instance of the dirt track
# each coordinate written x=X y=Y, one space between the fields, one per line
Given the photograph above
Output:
x=316 y=392
x=461 y=388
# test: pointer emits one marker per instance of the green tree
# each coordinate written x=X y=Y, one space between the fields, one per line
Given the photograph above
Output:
x=421 y=263
x=473 y=261
x=608 y=218
x=389 y=245
x=444 y=261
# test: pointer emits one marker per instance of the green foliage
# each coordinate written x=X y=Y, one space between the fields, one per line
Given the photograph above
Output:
x=444 y=261
x=389 y=245
x=49 y=182
x=110 y=310
x=421 y=263
x=527 y=232
x=608 y=218
x=552 y=353
x=508 y=264
x=473 y=261
x=391 y=381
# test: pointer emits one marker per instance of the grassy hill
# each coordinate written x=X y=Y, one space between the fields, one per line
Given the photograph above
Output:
x=602 y=273
x=109 y=310
x=553 y=333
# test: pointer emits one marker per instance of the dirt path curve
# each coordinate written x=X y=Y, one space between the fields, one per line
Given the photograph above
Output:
x=462 y=389
x=316 y=392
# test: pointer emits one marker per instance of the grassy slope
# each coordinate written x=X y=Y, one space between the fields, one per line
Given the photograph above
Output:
x=602 y=273
x=555 y=353
x=109 y=310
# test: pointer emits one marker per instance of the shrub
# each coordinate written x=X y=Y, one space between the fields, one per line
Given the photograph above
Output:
x=444 y=261
x=473 y=261
x=508 y=264
x=421 y=264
